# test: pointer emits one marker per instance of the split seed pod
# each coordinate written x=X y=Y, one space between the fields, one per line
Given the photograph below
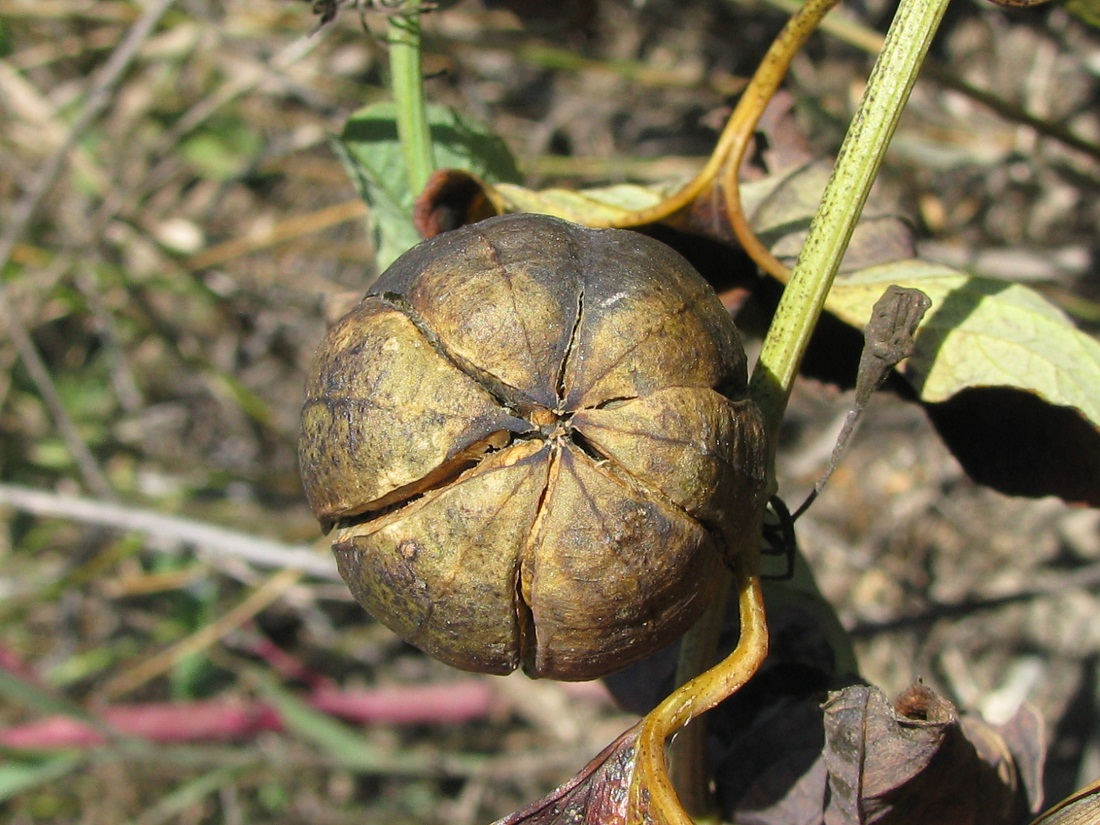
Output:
x=535 y=442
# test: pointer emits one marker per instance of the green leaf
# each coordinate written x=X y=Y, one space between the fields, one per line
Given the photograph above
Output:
x=1011 y=385
x=5 y=40
x=223 y=150
x=18 y=777
x=45 y=702
x=373 y=159
x=1085 y=10
x=251 y=403
x=389 y=220
x=982 y=333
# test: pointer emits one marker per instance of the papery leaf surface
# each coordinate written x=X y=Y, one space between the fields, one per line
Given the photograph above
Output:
x=1079 y=808
x=912 y=762
x=598 y=795
x=597 y=205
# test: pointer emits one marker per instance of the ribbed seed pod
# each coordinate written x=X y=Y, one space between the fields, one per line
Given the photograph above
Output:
x=535 y=443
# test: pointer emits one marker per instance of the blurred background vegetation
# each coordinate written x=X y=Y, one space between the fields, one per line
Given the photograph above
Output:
x=163 y=299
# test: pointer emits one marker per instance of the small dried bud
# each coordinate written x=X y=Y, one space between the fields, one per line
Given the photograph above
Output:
x=534 y=440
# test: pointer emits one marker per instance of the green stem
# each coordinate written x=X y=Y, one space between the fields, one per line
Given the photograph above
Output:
x=804 y=298
x=857 y=163
x=407 y=77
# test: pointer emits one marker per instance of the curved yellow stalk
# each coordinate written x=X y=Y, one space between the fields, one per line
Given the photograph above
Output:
x=738 y=132
x=652 y=798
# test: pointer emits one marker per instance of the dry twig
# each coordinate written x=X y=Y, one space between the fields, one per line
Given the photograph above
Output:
x=207 y=538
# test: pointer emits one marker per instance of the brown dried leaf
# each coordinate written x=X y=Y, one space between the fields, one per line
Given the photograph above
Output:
x=913 y=762
x=1080 y=808
x=1026 y=739
x=451 y=198
x=598 y=795
x=781 y=758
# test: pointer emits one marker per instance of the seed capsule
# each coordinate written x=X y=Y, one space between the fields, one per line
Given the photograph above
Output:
x=535 y=443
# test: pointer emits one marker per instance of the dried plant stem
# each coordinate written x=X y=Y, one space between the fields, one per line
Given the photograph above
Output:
x=699 y=645
x=652 y=795
x=215 y=541
x=24 y=212
x=697 y=650
x=281 y=232
x=687 y=754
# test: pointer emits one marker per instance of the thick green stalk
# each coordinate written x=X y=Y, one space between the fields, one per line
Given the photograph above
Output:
x=857 y=164
x=407 y=78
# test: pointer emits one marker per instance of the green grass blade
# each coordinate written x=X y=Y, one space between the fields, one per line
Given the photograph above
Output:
x=19 y=777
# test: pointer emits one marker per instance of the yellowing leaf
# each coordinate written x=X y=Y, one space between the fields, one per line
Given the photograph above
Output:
x=593 y=207
x=1086 y=10
x=982 y=333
